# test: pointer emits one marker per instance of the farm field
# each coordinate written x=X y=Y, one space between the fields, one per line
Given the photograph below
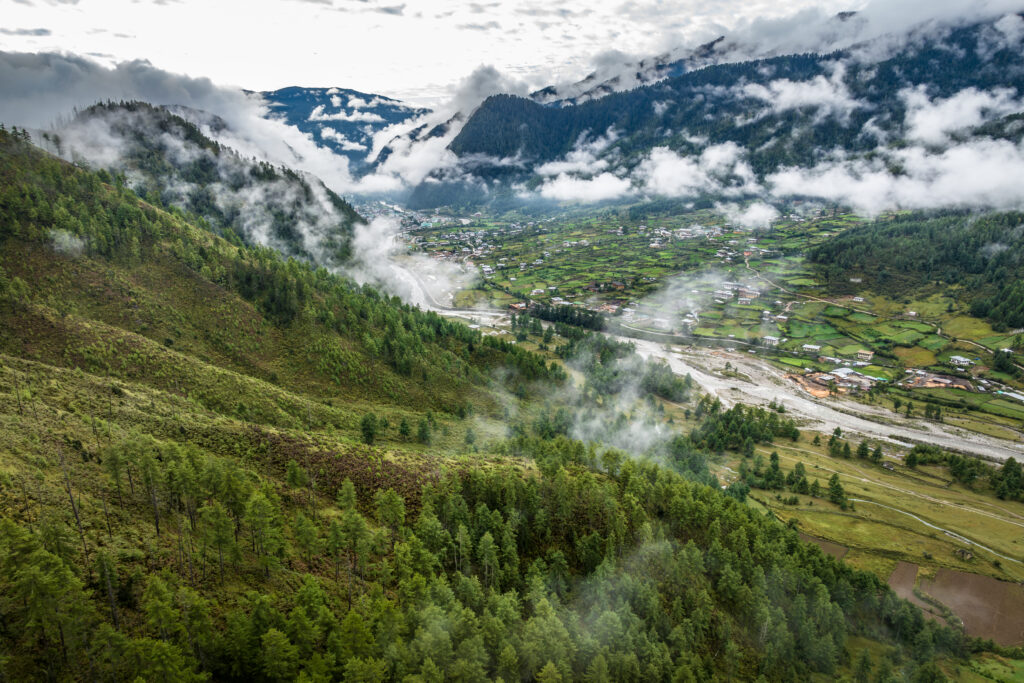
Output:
x=962 y=547
x=989 y=608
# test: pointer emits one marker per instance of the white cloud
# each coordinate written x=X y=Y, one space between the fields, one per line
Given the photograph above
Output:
x=599 y=188
x=328 y=133
x=978 y=174
x=318 y=114
x=583 y=159
x=755 y=215
x=829 y=95
x=931 y=121
x=39 y=89
x=717 y=169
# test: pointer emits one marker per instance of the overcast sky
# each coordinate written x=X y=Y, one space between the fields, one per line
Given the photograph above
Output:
x=411 y=49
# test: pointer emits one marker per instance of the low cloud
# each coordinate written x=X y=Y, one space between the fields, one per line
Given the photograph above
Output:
x=756 y=215
x=415 y=155
x=328 y=133
x=67 y=244
x=829 y=96
x=978 y=174
x=932 y=121
x=602 y=187
x=40 y=90
x=357 y=116
x=380 y=258
x=583 y=158
x=718 y=169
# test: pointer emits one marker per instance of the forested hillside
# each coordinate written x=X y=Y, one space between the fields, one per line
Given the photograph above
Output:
x=170 y=162
x=218 y=464
x=980 y=257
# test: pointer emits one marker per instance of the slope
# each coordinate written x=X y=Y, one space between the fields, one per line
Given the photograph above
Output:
x=186 y=496
x=170 y=162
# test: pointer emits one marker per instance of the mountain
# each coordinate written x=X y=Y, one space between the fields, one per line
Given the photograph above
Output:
x=209 y=470
x=168 y=160
x=345 y=121
x=627 y=75
x=731 y=126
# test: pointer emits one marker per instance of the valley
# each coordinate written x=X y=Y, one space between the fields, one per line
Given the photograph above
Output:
x=697 y=357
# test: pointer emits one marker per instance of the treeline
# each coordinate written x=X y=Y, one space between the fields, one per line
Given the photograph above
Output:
x=739 y=428
x=208 y=181
x=1005 y=481
x=983 y=256
x=569 y=315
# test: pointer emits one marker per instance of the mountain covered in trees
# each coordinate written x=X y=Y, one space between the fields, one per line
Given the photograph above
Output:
x=342 y=120
x=216 y=463
x=789 y=111
x=978 y=258
x=168 y=161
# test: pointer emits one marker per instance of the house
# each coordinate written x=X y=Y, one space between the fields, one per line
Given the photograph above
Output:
x=811 y=348
x=770 y=340
x=961 y=362
x=865 y=355
x=889 y=466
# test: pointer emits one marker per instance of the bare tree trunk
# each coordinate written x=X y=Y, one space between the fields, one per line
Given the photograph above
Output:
x=106 y=514
x=74 y=506
x=156 y=509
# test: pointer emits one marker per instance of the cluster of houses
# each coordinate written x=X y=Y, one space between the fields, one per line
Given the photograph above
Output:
x=843 y=379
x=734 y=290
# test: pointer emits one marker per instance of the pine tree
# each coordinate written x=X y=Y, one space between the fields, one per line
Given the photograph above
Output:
x=836 y=494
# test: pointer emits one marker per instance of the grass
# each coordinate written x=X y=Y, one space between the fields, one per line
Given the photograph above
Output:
x=915 y=356
x=878 y=537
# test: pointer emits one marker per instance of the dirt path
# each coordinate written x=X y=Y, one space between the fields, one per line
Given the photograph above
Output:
x=866 y=478
x=951 y=534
